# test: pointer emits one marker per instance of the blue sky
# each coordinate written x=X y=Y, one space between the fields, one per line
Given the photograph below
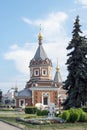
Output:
x=19 y=27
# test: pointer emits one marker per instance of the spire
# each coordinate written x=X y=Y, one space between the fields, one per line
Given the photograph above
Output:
x=40 y=37
x=57 y=68
x=16 y=87
x=57 y=77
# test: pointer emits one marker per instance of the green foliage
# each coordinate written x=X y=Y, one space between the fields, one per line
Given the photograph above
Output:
x=74 y=115
x=30 y=110
x=34 y=110
x=84 y=108
x=76 y=82
x=39 y=112
x=42 y=112
x=83 y=117
x=0 y=96
x=65 y=115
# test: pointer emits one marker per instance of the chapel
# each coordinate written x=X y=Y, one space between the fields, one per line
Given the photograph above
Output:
x=41 y=87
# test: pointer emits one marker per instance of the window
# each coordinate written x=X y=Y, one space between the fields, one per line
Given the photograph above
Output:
x=45 y=100
x=36 y=72
x=44 y=72
x=21 y=102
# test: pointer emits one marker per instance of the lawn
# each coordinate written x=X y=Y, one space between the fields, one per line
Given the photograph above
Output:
x=10 y=116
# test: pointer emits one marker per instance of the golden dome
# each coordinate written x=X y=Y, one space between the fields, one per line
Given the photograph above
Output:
x=57 y=68
x=40 y=37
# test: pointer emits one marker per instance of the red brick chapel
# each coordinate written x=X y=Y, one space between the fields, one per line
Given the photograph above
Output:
x=41 y=88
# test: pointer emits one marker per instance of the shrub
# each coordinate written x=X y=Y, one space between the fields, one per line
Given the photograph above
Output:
x=74 y=115
x=65 y=115
x=30 y=110
x=83 y=117
x=42 y=112
x=84 y=108
x=39 y=112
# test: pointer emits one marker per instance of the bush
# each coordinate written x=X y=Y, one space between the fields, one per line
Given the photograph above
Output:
x=74 y=115
x=83 y=117
x=42 y=112
x=30 y=110
x=65 y=115
x=39 y=112
x=84 y=108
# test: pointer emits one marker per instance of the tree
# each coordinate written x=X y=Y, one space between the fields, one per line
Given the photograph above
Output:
x=0 y=96
x=76 y=82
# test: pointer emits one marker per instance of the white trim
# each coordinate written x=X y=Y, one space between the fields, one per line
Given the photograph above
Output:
x=44 y=70
x=44 y=88
x=46 y=94
x=36 y=70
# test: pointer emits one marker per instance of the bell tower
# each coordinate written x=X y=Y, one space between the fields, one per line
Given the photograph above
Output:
x=40 y=65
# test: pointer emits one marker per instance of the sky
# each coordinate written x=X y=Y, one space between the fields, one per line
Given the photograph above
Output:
x=20 y=22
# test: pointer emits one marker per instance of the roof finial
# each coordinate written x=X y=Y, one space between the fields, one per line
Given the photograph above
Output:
x=40 y=27
x=16 y=87
x=57 y=68
x=40 y=36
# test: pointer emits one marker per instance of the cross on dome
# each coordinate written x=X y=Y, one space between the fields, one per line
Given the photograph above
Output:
x=40 y=37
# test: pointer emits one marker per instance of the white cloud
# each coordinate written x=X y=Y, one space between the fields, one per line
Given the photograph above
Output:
x=82 y=2
x=52 y=25
x=20 y=56
x=27 y=20
x=53 y=30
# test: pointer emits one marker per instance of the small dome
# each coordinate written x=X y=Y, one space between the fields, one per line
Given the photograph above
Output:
x=57 y=68
x=40 y=37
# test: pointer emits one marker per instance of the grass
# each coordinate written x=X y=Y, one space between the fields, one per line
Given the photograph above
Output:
x=11 y=118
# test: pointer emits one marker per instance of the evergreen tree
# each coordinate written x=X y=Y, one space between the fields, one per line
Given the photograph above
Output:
x=76 y=82
x=0 y=96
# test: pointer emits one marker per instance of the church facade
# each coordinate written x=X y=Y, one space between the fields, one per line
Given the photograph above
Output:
x=41 y=88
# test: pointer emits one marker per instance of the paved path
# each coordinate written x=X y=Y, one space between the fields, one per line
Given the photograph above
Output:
x=5 y=126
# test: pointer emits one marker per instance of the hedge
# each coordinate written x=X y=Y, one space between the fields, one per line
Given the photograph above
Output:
x=65 y=115
x=30 y=110
x=42 y=112
x=74 y=115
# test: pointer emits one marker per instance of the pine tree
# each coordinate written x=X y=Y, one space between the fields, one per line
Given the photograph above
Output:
x=76 y=82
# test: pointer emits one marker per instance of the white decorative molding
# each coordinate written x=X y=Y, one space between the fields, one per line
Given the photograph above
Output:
x=44 y=72
x=44 y=88
x=46 y=94
x=36 y=72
